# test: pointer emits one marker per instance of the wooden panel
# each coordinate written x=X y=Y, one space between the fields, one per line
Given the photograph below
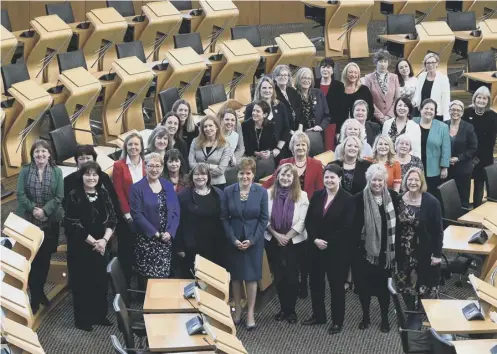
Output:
x=19 y=17
x=272 y=12
x=249 y=12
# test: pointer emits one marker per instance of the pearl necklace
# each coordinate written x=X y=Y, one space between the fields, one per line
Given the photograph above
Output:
x=92 y=198
x=203 y=192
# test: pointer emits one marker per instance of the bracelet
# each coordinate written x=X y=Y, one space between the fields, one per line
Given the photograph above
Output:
x=106 y=241
x=277 y=148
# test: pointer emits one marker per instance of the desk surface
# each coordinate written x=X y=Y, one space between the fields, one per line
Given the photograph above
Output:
x=167 y=333
x=456 y=239
x=476 y=215
x=446 y=317
x=476 y=346
x=397 y=38
x=166 y=296
x=485 y=76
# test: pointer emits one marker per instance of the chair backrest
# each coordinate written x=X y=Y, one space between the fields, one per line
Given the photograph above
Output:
x=124 y=7
x=450 y=201
x=481 y=61
x=250 y=33
x=211 y=94
x=317 y=143
x=64 y=143
x=131 y=49
x=167 y=99
x=441 y=345
x=189 y=40
x=118 y=349
x=401 y=24
x=123 y=321
x=71 y=60
x=182 y=5
x=117 y=280
x=491 y=173
x=59 y=116
x=61 y=9
x=12 y=74
x=461 y=21
x=399 y=310
x=453 y=5
x=6 y=20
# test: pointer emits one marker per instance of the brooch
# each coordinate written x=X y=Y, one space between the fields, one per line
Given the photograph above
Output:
x=275 y=111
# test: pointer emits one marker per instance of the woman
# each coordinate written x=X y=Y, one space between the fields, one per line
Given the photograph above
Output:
x=200 y=229
x=402 y=124
x=174 y=170
x=405 y=157
x=374 y=226
x=354 y=167
x=287 y=95
x=484 y=120
x=384 y=87
x=418 y=246
x=384 y=154
x=244 y=213
x=211 y=148
x=260 y=139
x=287 y=205
x=407 y=81
x=354 y=90
x=89 y=223
x=173 y=125
x=188 y=129
x=360 y=111
x=435 y=85
x=328 y=224
x=463 y=150
x=435 y=145
x=158 y=141
x=278 y=114
x=352 y=127
x=155 y=213
x=229 y=126
x=40 y=189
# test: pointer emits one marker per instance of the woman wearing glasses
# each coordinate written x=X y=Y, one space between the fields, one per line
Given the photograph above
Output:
x=287 y=95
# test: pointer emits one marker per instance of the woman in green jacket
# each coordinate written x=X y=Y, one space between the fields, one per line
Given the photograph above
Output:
x=40 y=189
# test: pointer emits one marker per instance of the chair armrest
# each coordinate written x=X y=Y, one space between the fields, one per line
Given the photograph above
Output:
x=455 y=222
x=491 y=200
x=415 y=312
x=134 y=310
x=136 y=291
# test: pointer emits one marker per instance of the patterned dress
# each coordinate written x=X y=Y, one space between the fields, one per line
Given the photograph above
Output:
x=152 y=255
x=348 y=179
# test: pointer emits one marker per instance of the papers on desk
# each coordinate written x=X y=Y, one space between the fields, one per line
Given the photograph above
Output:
x=67 y=170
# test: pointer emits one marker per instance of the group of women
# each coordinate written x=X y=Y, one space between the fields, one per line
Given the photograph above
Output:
x=169 y=200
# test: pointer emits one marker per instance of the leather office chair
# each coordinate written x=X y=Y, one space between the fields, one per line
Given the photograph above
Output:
x=182 y=5
x=119 y=349
x=491 y=175
x=461 y=21
x=58 y=116
x=317 y=143
x=250 y=33
x=6 y=20
x=131 y=49
x=124 y=7
x=441 y=345
x=399 y=24
x=211 y=94
x=124 y=322
x=61 y=9
x=189 y=40
x=453 y=5
x=167 y=99
x=64 y=143
x=71 y=60
x=478 y=62
x=12 y=74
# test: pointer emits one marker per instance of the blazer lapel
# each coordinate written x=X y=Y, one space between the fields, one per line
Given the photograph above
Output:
x=238 y=203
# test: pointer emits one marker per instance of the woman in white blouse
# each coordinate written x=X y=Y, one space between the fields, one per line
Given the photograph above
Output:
x=402 y=124
x=408 y=82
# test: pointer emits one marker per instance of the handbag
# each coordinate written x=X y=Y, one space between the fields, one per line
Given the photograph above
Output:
x=479 y=238
x=472 y=313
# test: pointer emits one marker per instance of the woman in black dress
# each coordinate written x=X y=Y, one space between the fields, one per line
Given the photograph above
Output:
x=89 y=223
x=287 y=95
x=374 y=233
x=173 y=125
x=354 y=90
x=200 y=229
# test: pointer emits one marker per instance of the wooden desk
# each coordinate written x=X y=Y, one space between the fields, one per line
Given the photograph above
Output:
x=486 y=77
x=15 y=267
x=28 y=237
x=167 y=333
x=407 y=44
x=476 y=216
x=446 y=317
x=166 y=296
x=476 y=346
x=326 y=157
x=21 y=337
x=15 y=304
x=456 y=239
x=8 y=46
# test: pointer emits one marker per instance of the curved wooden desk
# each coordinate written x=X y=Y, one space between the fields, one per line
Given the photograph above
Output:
x=475 y=346
x=21 y=338
x=216 y=278
x=428 y=10
x=15 y=267
x=28 y=237
x=15 y=304
x=488 y=35
x=8 y=46
x=166 y=296
x=296 y=50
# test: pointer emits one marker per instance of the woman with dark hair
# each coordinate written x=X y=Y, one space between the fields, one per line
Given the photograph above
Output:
x=89 y=224
x=200 y=229
x=40 y=189
x=407 y=81
x=173 y=125
x=328 y=224
x=188 y=129
x=286 y=94
x=174 y=169
x=230 y=128
x=158 y=141
x=402 y=124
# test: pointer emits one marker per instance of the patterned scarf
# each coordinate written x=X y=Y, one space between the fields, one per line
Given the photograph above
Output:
x=371 y=232
x=282 y=211
x=40 y=192
x=394 y=133
x=383 y=83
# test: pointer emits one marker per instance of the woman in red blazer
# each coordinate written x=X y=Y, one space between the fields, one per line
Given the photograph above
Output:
x=310 y=172
x=127 y=170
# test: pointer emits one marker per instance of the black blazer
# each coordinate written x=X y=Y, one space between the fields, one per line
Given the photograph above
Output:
x=267 y=140
x=320 y=107
x=293 y=105
x=335 y=100
x=363 y=93
x=464 y=147
x=373 y=129
x=280 y=119
x=359 y=182
x=182 y=147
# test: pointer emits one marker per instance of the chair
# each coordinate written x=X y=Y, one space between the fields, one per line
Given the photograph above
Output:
x=124 y=322
x=58 y=116
x=401 y=24
x=317 y=143
x=461 y=21
x=454 y=5
x=211 y=94
x=124 y=7
x=12 y=74
x=61 y=9
x=451 y=203
x=64 y=143
x=491 y=175
x=478 y=62
x=167 y=99
x=131 y=49
x=182 y=5
x=71 y=60
x=440 y=344
x=119 y=349
x=414 y=340
x=250 y=33
x=6 y=20
x=189 y=40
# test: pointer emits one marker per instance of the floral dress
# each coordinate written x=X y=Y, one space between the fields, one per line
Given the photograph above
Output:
x=348 y=179
x=152 y=255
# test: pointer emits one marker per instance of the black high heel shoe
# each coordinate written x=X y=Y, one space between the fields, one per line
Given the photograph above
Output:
x=334 y=329
x=364 y=323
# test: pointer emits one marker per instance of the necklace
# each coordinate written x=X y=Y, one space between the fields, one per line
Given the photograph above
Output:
x=203 y=192
x=305 y=164
x=479 y=114
x=258 y=137
x=378 y=199
x=415 y=200
x=92 y=197
x=244 y=196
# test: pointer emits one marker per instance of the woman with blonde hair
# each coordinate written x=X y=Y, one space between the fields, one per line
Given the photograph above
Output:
x=384 y=153
x=407 y=160
x=352 y=127
x=354 y=90
x=286 y=94
x=287 y=206
x=189 y=129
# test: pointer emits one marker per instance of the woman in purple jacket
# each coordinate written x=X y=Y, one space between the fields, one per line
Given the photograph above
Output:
x=155 y=212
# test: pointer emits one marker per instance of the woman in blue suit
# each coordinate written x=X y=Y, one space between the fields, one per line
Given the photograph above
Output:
x=435 y=145
x=244 y=212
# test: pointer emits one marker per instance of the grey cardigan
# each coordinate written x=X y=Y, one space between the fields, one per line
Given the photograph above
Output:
x=218 y=160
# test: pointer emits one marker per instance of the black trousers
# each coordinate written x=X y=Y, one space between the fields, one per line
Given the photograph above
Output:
x=478 y=186
x=335 y=268
x=463 y=183
x=303 y=262
x=41 y=263
x=432 y=183
x=125 y=248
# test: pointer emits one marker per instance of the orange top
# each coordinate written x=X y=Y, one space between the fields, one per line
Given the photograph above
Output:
x=393 y=170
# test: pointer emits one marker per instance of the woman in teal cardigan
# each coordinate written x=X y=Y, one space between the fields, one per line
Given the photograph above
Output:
x=435 y=145
x=40 y=189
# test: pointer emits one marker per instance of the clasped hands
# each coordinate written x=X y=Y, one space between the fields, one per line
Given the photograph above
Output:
x=243 y=246
x=281 y=238
x=164 y=237
x=39 y=214
x=99 y=246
